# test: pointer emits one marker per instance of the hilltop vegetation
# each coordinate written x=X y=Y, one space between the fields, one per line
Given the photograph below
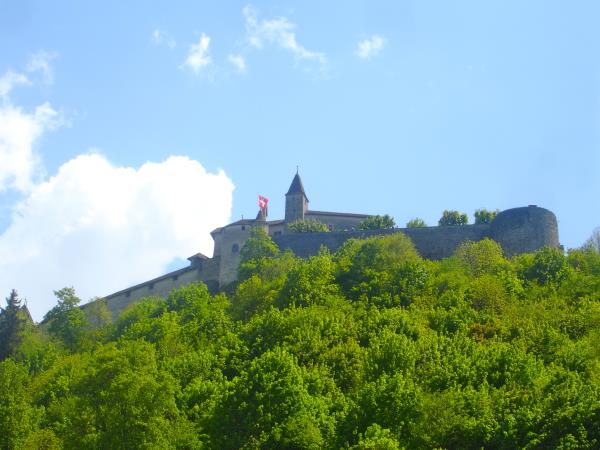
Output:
x=369 y=348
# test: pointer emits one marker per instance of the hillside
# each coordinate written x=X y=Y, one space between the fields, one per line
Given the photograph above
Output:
x=372 y=347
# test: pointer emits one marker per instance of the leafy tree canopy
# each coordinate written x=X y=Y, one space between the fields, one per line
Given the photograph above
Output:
x=416 y=223
x=66 y=320
x=308 y=226
x=258 y=247
x=480 y=257
x=385 y=222
x=371 y=347
x=451 y=218
x=483 y=216
x=593 y=242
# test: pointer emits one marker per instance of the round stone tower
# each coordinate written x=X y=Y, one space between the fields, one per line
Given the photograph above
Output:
x=526 y=229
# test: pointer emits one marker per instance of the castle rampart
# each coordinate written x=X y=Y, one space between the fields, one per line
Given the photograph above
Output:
x=200 y=269
x=517 y=230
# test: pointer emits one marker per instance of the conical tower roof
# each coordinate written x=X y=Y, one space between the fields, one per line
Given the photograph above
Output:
x=262 y=215
x=296 y=187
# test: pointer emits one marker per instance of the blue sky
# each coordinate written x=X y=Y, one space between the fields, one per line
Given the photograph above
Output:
x=399 y=107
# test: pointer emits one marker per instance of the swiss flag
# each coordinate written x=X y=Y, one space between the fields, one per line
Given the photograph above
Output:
x=262 y=202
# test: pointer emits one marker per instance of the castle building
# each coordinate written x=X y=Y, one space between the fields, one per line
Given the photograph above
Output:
x=517 y=230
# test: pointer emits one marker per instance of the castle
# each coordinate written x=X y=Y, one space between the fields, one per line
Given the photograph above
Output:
x=517 y=230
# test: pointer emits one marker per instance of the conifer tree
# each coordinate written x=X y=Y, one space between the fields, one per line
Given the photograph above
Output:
x=11 y=325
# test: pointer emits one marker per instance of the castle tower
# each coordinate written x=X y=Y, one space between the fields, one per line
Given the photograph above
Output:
x=296 y=202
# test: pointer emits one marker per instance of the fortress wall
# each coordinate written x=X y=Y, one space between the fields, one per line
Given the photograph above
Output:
x=441 y=242
x=308 y=244
x=431 y=242
x=526 y=229
x=207 y=271
x=337 y=221
x=517 y=230
x=232 y=241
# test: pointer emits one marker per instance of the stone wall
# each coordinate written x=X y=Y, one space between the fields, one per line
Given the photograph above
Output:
x=431 y=242
x=517 y=230
x=206 y=271
x=526 y=229
x=336 y=221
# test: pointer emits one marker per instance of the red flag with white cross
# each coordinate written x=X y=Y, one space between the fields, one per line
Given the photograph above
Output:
x=262 y=202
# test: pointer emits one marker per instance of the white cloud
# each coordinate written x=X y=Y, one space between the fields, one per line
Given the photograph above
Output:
x=19 y=132
x=161 y=37
x=370 y=47
x=101 y=228
x=8 y=81
x=40 y=61
x=238 y=62
x=92 y=225
x=198 y=57
x=278 y=32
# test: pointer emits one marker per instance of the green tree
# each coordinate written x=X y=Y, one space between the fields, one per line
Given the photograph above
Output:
x=484 y=216
x=121 y=399
x=17 y=417
x=451 y=218
x=367 y=267
x=549 y=266
x=13 y=319
x=258 y=245
x=269 y=406
x=593 y=242
x=392 y=402
x=308 y=226
x=416 y=223
x=66 y=320
x=257 y=248
x=309 y=283
x=480 y=257
x=385 y=222
x=377 y=438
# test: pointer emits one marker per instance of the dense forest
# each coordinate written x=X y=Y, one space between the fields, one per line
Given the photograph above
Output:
x=371 y=347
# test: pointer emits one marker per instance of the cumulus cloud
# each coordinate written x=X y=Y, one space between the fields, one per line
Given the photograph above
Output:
x=8 y=81
x=40 y=61
x=198 y=56
x=19 y=132
x=163 y=38
x=279 y=32
x=92 y=225
x=370 y=47
x=238 y=62
x=101 y=228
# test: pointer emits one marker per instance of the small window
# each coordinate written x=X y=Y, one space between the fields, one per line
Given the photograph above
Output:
x=330 y=226
x=243 y=227
x=128 y=294
x=278 y=233
x=151 y=286
x=175 y=277
x=235 y=248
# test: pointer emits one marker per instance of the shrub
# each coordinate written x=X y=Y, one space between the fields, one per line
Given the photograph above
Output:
x=308 y=226
x=416 y=223
x=377 y=223
x=450 y=218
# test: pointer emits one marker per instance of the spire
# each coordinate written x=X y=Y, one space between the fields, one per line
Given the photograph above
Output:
x=262 y=215
x=296 y=201
x=296 y=187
